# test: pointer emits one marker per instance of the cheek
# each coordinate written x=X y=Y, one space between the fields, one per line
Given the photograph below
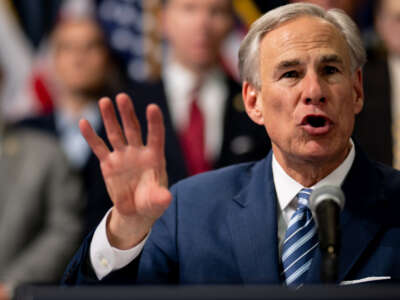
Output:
x=63 y=68
x=220 y=29
x=99 y=64
x=274 y=105
x=61 y=61
x=346 y=113
x=273 y=111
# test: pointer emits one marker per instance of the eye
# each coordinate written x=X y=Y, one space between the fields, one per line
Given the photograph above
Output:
x=329 y=70
x=290 y=74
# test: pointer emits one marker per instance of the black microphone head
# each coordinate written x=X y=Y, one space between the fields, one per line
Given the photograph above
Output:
x=325 y=204
x=327 y=192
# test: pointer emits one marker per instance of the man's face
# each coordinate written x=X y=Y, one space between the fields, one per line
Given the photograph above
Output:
x=80 y=55
x=309 y=96
x=196 y=28
x=388 y=25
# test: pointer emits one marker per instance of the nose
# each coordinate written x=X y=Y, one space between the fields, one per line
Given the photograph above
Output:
x=204 y=20
x=313 y=90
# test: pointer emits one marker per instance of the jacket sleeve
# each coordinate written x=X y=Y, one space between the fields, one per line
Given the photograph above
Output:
x=157 y=264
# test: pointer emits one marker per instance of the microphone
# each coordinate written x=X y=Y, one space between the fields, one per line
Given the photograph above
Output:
x=325 y=204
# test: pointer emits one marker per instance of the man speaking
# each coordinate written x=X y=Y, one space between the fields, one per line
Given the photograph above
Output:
x=250 y=223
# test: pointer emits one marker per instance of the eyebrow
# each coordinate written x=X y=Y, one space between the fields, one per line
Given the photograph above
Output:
x=287 y=64
x=332 y=58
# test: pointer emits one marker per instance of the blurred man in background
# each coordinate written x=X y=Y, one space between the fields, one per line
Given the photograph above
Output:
x=378 y=126
x=82 y=73
x=206 y=124
x=350 y=7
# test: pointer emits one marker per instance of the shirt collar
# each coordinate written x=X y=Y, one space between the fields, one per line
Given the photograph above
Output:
x=179 y=83
x=287 y=188
x=179 y=79
x=65 y=122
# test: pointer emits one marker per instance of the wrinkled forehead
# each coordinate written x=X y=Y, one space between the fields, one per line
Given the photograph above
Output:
x=303 y=36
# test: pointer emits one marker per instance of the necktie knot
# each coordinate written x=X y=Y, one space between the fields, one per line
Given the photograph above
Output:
x=303 y=196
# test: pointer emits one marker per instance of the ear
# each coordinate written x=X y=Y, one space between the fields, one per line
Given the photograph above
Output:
x=358 y=92
x=253 y=102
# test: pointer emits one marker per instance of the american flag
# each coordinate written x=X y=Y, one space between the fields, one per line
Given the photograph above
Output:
x=132 y=32
x=131 y=27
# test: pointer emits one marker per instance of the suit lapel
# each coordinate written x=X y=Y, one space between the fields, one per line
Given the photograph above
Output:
x=362 y=189
x=154 y=92
x=176 y=169
x=253 y=222
x=364 y=195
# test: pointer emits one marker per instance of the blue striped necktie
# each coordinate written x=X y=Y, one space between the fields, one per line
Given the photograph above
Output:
x=300 y=241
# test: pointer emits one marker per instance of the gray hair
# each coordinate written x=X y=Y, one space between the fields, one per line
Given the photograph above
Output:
x=249 y=49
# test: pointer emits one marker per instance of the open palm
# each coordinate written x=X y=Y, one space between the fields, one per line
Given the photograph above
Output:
x=134 y=173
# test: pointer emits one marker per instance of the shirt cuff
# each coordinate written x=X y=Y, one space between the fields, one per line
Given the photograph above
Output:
x=104 y=257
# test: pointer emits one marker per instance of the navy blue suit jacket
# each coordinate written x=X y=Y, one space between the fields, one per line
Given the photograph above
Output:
x=222 y=229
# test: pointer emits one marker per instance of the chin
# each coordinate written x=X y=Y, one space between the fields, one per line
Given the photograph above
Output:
x=319 y=152
x=204 y=60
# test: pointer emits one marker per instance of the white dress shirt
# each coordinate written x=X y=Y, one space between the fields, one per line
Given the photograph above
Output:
x=287 y=188
x=105 y=258
x=74 y=145
x=179 y=84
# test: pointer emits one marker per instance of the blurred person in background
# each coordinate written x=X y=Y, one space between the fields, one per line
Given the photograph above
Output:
x=38 y=188
x=359 y=10
x=206 y=124
x=82 y=74
x=350 y=7
x=378 y=126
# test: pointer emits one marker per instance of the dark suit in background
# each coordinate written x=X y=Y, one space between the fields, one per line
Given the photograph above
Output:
x=373 y=129
x=238 y=128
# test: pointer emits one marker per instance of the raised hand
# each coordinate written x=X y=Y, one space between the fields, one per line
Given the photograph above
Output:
x=135 y=174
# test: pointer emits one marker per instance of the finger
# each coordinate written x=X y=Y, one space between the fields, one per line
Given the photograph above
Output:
x=156 y=135
x=156 y=198
x=97 y=145
x=113 y=129
x=161 y=199
x=130 y=122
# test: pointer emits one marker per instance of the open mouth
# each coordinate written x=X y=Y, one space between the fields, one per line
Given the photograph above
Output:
x=316 y=124
x=316 y=121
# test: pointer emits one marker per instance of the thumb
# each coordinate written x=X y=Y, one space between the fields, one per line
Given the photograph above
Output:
x=161 y=199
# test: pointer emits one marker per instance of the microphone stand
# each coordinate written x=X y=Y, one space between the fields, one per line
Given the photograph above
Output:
x=329 y=237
